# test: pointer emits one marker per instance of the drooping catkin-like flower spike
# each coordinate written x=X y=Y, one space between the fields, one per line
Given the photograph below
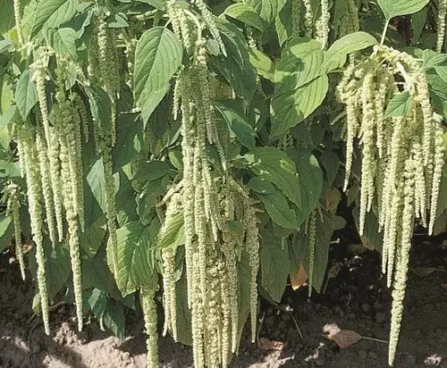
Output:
x=13 y=209
x=252 y=246
x=18 y=21
x=45 y=181
x=440 y=25
x=323 y=24
x=312 y=233
x=208 y=19
x=34 y=194
x=69 y=176
x=308 y=17
x=147 y=297
x=296 y=18
x=39 y=75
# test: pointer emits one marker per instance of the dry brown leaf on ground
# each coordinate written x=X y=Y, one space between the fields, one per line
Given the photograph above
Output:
x=266 y=344
x=299 y=279
x=422 y=272
x=343 y=338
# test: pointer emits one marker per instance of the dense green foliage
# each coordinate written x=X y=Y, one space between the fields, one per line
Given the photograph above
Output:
x=195 y=153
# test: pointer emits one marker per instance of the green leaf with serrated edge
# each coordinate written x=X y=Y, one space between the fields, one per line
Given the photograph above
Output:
x=278 y=209
x=114 y=318
x=136 y=244
x=399 y=105
x=290 y=107
x=262 y=63
x=6 y=232
x=26 y=94
x=336 y=54
x=245 y=14
x=233 y=114
x=98 y=303
x=52 y=13
x=396 y=8
x=158 y=56
x=274 y=261
x=261 y=185
x=267 y=9
x=274 y=165
x=63 y=41
x=310 y=181
x=173 y=234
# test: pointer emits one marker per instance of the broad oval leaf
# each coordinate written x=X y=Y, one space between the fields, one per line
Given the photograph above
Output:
x=290 y=107
x=272 y=164
x=63 y=41
x=274 y=261
x=158 y=56
x=267 y=9
x=26 y=94
x=396 y=8
x=136 y=244
x=245 y=14
x=52 y=13
x=278 y=209
x=399 y=105
x=340 y=49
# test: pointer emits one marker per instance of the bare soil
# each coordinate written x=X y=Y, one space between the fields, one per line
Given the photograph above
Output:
x=357 y=299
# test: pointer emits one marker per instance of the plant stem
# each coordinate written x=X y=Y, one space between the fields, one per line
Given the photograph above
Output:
x=382 y=40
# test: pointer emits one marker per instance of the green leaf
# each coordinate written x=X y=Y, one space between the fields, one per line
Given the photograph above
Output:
x=311 y=182
x=101 y=108
x=290 y=107
x=431 y=59
x=399 y=105
x=273 y=265
x=63 y=41
x=6 y=232
x=234 y=116
x=129 y=140
x=183 y=315
x=340 y=49
x=57 y=267
x=278 y=209
x=98 y=303
x=174 y=232
x=372 y=238
x=4 y=45
x=261 y=185
x=158 y=56
x=262 y=63
x=114 y=319
x=283 y=23
x=91 y=239
x=396 y=8
x=7 y=116
x=235 y=68
x=418 y=21
x=96 y=274
x=26 y=94
x=267 y=9
x=136 y=244
x=274 y=165
x=245 y=14
x=52 y=13
x=95 y=180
